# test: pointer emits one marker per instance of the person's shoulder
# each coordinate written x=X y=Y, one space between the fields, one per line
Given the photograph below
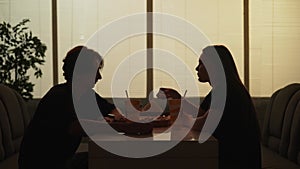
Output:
x=56 y=95
x=98 y=96
x=59 y=87
x=59 y=90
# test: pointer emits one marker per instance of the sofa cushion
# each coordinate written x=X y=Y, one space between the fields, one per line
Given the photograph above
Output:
x=10 y=163
x=261 y=104
x=273 y=143
x=2 y=153
x=298 y=158
x=294 y=144
x=266 y=125
x=276 y=126
x=290 y=125
x=272 y=160
x=14 y=118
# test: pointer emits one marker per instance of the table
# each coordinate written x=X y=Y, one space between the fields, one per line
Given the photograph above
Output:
x=189 y=153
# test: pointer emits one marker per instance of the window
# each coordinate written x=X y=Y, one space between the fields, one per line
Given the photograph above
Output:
x=78 y=23
x=39 y=13
x=220 y=21
x=274 y=45
x=274 y=38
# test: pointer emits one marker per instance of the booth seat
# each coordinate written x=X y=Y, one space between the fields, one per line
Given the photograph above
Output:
x=15 y=115
x=280 y=127
x=14 y=118
x=281 y=130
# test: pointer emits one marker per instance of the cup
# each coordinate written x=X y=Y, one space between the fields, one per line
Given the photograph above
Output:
x=132 y=109
x=174 y=109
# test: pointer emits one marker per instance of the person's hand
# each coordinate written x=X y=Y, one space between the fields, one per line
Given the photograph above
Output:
x=117 y=115
x=152 y=106
x=199 y=123
x=185 y=120
x=168 y=93
x=108 y=119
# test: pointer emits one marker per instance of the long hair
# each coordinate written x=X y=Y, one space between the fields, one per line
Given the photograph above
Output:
x=227 y=61
x=233 y=79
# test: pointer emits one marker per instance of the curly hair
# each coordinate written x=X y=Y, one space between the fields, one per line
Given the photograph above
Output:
x=87 y=59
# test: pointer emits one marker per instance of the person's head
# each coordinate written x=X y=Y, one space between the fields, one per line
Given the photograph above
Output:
x=209 y=54
x=87 y=64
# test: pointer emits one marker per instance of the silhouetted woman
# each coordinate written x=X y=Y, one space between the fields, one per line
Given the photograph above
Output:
x=238 y=131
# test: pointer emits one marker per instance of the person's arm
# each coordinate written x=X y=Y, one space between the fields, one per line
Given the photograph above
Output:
x=202 y=113
x=189 y=107
x=108 y=109
x=168 y=93
x=199 y=123
x=94 y=126
x=76 y=129
x=117 y=114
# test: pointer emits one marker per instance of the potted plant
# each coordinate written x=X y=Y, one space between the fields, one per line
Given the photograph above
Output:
x=20 y=51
